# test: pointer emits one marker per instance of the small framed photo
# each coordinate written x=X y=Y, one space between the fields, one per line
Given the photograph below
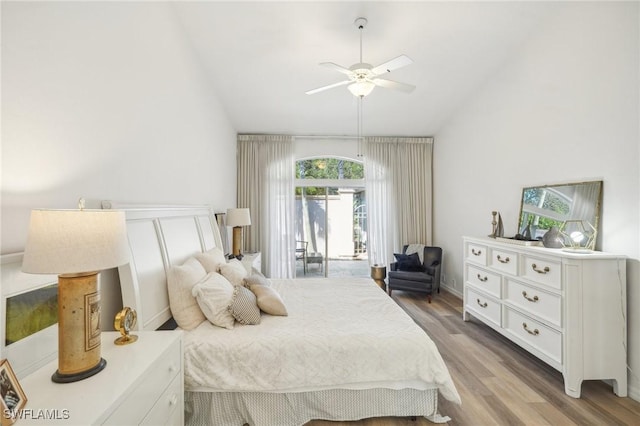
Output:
x=12 y=397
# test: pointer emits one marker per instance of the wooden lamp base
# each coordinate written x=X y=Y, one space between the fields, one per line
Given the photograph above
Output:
x=237 y=242
x=78 y=328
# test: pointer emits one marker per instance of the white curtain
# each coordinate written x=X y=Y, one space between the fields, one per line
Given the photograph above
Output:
x=266 y=167
x=398 y=181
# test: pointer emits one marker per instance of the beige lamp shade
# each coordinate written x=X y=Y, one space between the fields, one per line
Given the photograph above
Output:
x=238 y=217
x=75 y=241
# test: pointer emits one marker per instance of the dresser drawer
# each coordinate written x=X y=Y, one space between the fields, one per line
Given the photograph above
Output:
x=542 y=338
x=504 y=261
x=487 y=281
x=483 y=305
x=163 y=410
x=476 y=253
x=542 y=271
x=154 y=382
x=542 y=304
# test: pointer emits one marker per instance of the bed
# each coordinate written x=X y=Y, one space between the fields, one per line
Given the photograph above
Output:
x=344 y=351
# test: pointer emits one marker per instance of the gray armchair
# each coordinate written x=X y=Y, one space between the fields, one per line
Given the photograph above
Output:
x=409 y=274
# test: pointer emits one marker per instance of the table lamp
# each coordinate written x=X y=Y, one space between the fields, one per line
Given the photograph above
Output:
x=579 y=235
x=238 y=218
x=76 y=245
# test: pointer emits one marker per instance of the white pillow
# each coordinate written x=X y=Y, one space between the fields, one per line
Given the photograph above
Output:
x=212 y=259
x=256 y=279
x=269 y=301
x=234 y=271
x=180 y=281
x=214 y=295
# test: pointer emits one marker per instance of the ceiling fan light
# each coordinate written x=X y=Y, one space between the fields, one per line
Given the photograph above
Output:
x=361 y=88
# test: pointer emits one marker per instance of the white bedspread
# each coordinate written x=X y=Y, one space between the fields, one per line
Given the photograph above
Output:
x=340 y=333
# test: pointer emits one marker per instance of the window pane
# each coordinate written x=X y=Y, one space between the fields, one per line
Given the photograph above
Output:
x=329 y=168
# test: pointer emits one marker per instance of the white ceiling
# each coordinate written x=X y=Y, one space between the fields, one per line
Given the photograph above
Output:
x=262 y=57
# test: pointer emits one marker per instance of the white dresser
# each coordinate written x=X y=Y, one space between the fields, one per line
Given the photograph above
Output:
x=566 y=308
x=142 y=384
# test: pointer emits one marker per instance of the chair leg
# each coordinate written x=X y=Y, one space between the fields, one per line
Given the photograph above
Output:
x=429 y=298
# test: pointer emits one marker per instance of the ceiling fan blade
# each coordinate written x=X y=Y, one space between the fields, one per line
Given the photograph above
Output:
x=337 y=67
x=394 y=64
x=390 y=84
x=331 y=86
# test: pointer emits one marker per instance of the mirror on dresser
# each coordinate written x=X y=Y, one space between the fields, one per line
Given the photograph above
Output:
x=542 y=207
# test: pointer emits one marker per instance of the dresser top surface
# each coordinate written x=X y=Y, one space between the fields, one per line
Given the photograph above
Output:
x=566 y=253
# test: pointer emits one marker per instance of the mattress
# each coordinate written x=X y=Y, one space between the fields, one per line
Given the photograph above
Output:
x=339 y=334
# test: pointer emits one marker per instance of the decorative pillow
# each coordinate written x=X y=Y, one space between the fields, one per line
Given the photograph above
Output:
x=212 y=259
x=408 y=262
x=234 y=271
x=269 y=301
x=256 y=279
x=180 y=281
x=214 y=293
x=244 y=306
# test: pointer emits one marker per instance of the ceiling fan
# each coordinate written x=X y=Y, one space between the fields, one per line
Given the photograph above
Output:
x=363 y=77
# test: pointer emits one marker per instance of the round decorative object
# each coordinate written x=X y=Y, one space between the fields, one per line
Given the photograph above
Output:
x=124 y=321
x=552 y=238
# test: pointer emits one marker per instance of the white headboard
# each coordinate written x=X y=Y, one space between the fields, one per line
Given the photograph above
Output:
x=159 y=238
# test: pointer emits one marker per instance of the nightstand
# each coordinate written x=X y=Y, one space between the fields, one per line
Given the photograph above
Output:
x=252 y=261
x=143 y=383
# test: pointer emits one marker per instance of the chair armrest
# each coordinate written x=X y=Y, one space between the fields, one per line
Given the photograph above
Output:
x=393 y=266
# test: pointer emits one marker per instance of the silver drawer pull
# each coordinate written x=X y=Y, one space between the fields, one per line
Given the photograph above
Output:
x=173 y=400
x=476 y=252
x=482 y=279
x=505 y=260
x=482 y=305
x=540 y=271
x=530 y=299
x=535 y=331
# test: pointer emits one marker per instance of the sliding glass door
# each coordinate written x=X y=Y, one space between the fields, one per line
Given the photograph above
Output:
x=330 y=223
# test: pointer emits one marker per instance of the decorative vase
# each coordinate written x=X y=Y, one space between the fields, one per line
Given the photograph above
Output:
x=552 y=238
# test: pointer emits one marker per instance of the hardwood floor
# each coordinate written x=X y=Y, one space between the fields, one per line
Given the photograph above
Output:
x=500 y=383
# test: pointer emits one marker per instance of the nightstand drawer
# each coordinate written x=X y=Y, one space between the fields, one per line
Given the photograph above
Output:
x=542 y=304
x=487 y=281
x=542 y=271
x=162 y=411
x=153 y=383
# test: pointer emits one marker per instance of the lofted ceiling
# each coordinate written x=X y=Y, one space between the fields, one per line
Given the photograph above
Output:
x=261 y=57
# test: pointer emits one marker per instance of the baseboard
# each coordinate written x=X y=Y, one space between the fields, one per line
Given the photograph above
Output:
x=633 y=391
x=451 y=290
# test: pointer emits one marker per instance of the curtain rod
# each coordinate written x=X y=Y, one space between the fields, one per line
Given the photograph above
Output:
x=332 y=136
x=326 y=137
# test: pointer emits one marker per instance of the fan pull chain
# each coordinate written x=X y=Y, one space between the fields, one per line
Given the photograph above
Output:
x=360 y=126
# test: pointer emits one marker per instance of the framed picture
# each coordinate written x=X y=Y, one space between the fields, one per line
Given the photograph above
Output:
x=12 y=397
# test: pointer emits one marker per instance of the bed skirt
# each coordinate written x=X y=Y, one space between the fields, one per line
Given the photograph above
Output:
x=295 y=409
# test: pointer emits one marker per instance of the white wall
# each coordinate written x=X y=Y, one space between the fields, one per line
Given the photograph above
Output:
x=565 y=109
x=105 y=100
